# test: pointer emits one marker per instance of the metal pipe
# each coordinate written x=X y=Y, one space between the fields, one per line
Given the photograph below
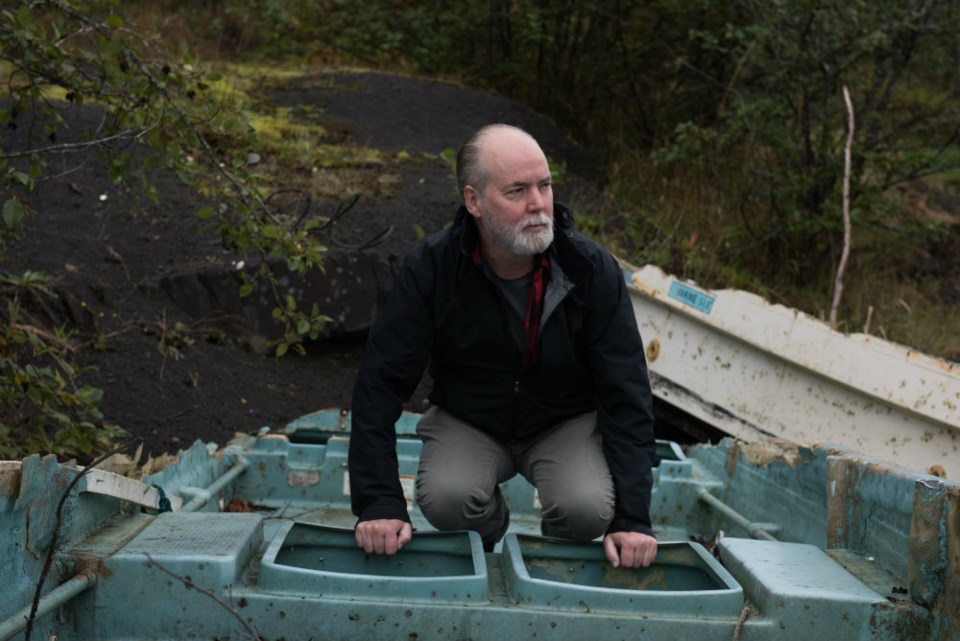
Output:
x=756 y=532
x=48 y=602
x=211 y=490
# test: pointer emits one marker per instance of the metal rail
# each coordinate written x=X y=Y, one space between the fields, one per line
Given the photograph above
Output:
x=85 y=580
x=202 y=496
x=754 y=529
x=48 y=602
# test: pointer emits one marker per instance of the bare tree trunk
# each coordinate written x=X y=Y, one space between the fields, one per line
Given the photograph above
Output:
x=838 y=282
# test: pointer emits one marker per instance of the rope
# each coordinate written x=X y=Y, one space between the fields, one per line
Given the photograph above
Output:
x=743 y=619
x=163 y=503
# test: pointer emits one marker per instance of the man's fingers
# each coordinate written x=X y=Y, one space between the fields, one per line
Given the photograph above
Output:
x=406 y=534
x=610 y=547
x=642 y=552
x=358 y=536
x=365 y=539
x=630 y=549
x=649 y=554
x=383 y=536
x=381 y=543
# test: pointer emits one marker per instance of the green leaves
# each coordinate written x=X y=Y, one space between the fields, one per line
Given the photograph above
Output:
x=13 y=214
x=43 y=405
x=60 y=55
x=763 y=111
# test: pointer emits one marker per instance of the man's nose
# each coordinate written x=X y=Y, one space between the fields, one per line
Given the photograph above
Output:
x=535 y=202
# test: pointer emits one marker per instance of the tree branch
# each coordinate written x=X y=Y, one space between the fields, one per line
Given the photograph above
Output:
x=55 y=538
x=838 y=282
x=190 y=585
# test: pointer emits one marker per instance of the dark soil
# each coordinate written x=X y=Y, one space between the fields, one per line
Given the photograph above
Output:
x=178 y=355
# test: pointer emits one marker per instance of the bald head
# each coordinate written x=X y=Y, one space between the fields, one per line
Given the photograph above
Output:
x=472 y=164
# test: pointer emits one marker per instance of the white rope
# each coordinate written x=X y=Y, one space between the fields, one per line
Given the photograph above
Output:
x=743 y=619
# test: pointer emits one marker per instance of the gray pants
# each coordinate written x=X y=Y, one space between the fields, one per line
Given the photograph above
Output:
x=461 y=469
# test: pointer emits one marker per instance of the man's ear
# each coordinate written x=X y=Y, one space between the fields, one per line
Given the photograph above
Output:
x=471 y=199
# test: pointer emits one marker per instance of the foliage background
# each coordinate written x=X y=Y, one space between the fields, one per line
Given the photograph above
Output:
x=721 y=123
x=719 y=126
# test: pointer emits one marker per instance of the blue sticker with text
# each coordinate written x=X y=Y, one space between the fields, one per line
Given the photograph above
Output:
x=701 y=301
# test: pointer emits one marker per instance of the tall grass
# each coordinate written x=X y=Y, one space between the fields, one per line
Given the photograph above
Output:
x=901 y=284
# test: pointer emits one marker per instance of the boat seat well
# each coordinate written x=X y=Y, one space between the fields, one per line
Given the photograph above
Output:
x=529 y=571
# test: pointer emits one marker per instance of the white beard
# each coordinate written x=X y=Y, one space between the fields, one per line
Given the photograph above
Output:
x=516 y=240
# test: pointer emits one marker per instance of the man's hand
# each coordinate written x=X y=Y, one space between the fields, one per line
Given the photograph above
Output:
x=383 y=536
x=630 y=549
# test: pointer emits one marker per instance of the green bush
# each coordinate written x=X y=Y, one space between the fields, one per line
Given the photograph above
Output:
x=44 y=406
x=61 y=54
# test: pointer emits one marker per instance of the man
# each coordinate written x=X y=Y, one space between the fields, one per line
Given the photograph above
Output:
x=537 y=369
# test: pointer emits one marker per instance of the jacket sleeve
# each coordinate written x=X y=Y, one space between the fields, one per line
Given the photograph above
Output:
x=392 y=365
x=623 y=395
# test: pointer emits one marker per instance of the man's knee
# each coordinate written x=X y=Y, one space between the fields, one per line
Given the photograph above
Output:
x=578 y=515
x=452 y=506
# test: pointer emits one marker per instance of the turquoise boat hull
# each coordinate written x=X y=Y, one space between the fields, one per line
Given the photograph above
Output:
x=757 y=542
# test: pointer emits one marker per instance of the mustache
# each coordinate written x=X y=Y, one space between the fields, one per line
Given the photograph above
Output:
x=538 y=219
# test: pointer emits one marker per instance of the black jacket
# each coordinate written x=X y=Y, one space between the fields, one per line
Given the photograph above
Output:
x=443 y=309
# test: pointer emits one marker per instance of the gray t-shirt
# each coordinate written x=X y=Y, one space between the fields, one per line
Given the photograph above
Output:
x=516 y=291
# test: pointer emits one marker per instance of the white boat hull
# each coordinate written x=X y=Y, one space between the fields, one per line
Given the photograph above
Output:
x=757 y=370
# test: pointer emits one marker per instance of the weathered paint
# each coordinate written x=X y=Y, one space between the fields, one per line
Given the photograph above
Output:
x=927 y=551
x=951 y=596
x=795 y=579
x=889 y=570
x=756 y=370
x=52 y=600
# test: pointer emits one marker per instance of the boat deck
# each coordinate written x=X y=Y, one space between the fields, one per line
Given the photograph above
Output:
x=754 y=542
